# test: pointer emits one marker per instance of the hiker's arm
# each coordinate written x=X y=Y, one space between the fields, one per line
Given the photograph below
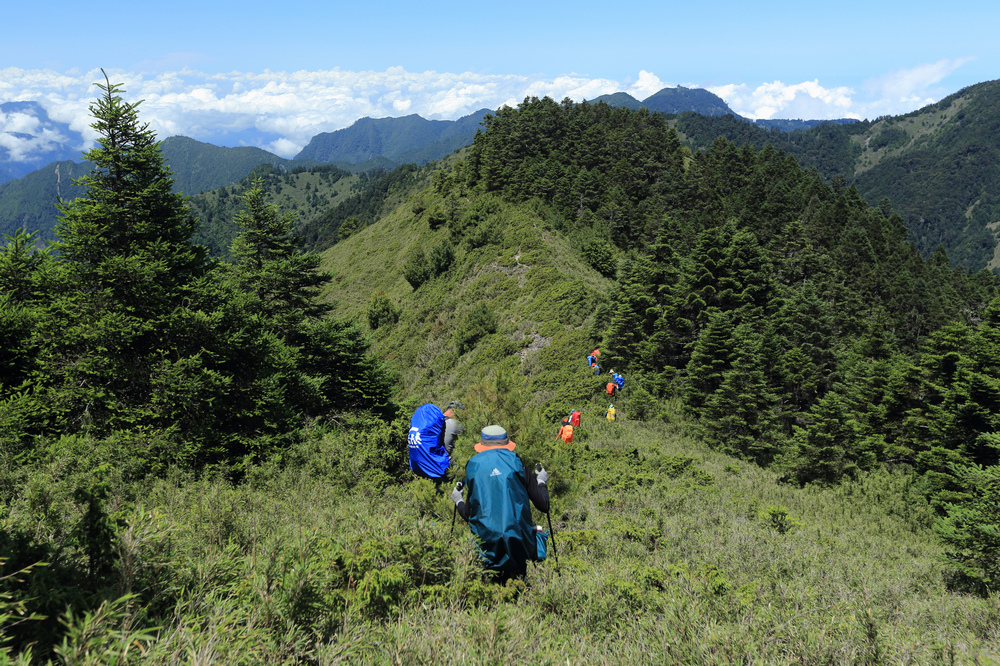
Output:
x=538 y=492
x=461 y=506
x=452 y=429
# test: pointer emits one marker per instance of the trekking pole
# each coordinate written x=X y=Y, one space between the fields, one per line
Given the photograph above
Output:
x=548 y=514
x=458 y=486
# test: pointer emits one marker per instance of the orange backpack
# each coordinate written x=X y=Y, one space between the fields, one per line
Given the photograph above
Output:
x=611 y=388
x=566 y=432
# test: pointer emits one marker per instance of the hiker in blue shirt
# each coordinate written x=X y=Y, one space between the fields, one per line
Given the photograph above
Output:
x=498 y=510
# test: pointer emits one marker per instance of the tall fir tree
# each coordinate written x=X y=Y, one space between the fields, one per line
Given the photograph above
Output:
x=128 y=265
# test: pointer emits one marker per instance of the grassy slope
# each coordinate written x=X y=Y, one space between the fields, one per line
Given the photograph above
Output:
x=541 y=293
x=657 y=563
x=653 y=566
x=923 y=124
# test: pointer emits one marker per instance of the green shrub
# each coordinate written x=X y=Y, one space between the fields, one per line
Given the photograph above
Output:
x=640 y=403
x=436 y=218
x=601 y=257
x=416 y=270
x=441 y=257
x=778 y=519
x=971 y=530
x=476 y=325
x=493 y=349
x=349 y=227
x=381 y=312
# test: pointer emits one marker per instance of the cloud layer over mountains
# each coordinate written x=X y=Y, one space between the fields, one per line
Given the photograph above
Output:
x=281 y=111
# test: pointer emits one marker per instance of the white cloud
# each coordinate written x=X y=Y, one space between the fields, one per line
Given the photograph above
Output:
x=894 y=93
x=284 y=110
x=647 y=85
x=904 y=90
x=806 y=100
x=284 y=147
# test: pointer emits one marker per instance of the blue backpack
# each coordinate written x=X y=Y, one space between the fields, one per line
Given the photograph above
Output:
x=428 y=457
x=500 y=512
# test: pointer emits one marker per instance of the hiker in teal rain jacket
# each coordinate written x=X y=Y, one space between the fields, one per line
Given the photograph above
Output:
x=498 y=510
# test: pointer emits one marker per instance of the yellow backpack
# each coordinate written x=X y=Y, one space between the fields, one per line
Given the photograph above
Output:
x=611 y=415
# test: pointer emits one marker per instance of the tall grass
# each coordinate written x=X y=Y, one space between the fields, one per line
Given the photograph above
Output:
x=667 y=552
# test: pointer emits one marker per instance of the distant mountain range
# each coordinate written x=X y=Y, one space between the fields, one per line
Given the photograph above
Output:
x=938 y=167
x=410 y=139
x=671 y=101
x=30 y=139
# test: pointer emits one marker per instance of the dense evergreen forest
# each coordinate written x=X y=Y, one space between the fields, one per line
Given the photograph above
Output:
x=747 y=284
x=938 y=167
x=203 y=461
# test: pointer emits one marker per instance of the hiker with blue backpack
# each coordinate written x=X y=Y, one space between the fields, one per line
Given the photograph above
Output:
x=618 y=380
x=498 y=509
x=431 y=441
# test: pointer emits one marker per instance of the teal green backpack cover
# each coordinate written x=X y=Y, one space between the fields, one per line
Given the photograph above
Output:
x=500 y=511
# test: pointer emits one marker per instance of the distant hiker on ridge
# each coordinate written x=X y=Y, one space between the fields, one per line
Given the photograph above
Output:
x=618 y=380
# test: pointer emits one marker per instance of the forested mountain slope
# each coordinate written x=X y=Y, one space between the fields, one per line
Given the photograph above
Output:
x=762 y=297
x=29 y=202
x=402 y=140
x=938 y=167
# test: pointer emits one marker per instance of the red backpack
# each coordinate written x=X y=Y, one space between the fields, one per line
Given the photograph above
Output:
x=611 y=388
x=574 y=418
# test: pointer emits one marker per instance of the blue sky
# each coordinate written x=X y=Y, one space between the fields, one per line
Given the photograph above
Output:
x=274 y=74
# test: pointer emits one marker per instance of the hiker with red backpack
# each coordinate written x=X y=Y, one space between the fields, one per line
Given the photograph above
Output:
x=498 y=509
x=592 y=358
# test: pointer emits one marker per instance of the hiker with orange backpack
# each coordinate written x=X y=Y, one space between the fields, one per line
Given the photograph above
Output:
x=566 y=432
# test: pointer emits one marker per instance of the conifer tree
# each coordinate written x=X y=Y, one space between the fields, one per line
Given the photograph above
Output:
x=833 y=444
x=127 y=241
x=128 y=263
x=283 y=281
x=739 y=414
